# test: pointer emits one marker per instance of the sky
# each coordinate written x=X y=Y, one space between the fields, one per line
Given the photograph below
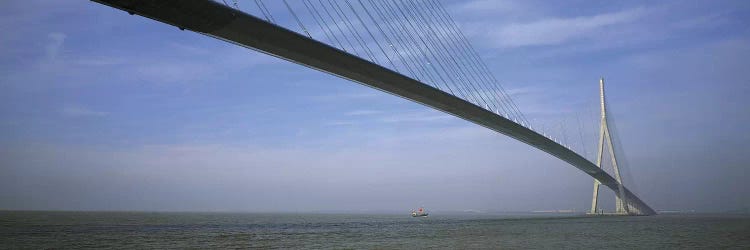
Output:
x=100 y=110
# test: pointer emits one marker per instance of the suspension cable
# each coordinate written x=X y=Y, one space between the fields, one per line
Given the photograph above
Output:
x=476 y=57
x=431 y=57
x=468 y=64
x=401 y=41
x=371 y=36
x=475 y=62
x=263 y=11
x=326 y=28
x=325 y=9
x=352 y=30
x=297 y=19
x=448 y=58
x=390 y=43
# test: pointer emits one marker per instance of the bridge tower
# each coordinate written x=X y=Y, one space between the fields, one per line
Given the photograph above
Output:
x=605 y=137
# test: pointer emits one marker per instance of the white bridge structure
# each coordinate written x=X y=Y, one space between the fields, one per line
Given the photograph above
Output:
x=408 y=48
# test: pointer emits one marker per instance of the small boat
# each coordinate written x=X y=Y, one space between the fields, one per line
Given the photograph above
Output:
x=419 y=213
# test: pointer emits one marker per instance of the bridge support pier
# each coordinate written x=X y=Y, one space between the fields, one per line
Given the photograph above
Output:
x=605 y=137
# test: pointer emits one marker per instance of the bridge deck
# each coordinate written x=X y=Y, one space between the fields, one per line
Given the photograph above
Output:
x=224 y=23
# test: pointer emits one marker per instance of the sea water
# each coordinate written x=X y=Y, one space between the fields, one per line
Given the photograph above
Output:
x=159 y=230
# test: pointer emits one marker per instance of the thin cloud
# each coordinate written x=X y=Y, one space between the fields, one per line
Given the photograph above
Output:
x=340 y=123
x=346 y=96
x=55 y=44
x=552 y=31
x=78 y=111
x=52 y=61
x=416 y=117
x=174 y=71
x=526 y=90
x=363 y=112
x=99 y=61
x=485 y=6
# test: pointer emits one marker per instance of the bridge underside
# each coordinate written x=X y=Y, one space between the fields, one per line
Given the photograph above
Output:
x=224 y=23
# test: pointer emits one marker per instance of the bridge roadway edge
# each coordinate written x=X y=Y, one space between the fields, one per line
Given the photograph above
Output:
x=219 y=21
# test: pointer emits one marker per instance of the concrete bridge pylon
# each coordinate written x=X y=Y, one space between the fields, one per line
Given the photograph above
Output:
x=605 y=139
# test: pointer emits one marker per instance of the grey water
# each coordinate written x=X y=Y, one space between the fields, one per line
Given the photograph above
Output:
x=183 y=230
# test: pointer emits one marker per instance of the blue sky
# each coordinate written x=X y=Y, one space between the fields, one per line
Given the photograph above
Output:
x=106 y=111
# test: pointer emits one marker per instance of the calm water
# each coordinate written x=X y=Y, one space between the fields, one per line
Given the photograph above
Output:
x=139 y=230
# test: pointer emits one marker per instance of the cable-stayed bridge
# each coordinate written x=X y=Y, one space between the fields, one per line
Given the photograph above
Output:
x=409 y=48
